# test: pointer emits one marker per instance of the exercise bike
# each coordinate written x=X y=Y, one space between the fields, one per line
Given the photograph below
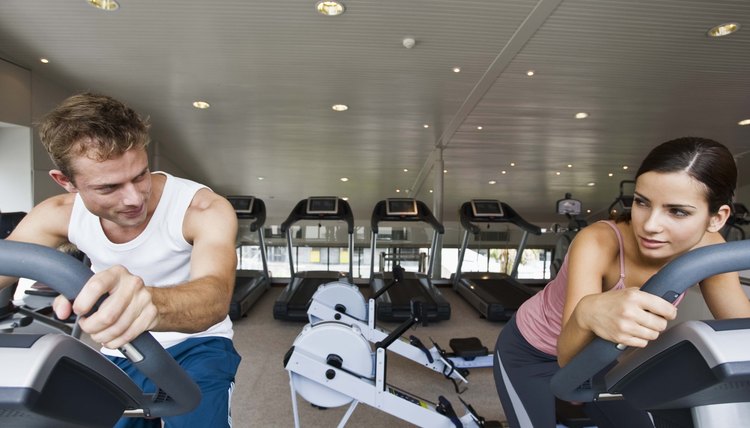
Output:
x=332 y=364
x=55 y=380
x=695 y=374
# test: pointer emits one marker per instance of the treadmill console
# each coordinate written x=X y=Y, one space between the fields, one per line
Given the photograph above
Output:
x=242 y=204
x=401 y=207
x=569 y=206
x=486 y=208
x=322 y=205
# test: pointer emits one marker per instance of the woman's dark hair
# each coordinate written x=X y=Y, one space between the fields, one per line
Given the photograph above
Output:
x=706 y=161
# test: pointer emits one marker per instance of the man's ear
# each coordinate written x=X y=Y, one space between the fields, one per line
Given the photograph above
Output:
x=63 y=180
x=718 y=220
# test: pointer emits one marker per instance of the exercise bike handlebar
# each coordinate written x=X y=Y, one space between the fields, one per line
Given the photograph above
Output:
x=67 y=275
x=669 y=283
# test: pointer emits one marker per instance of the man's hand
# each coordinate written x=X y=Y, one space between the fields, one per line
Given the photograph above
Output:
x=126 y=313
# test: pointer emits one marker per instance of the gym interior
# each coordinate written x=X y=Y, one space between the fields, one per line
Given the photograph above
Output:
x=422 y=149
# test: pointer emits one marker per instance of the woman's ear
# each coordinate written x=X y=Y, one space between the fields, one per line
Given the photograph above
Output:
x=63 y=180
x=718 y=220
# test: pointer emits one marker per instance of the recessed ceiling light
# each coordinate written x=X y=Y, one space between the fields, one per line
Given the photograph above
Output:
x=340 y=107
x=570 y=165
x=624 y=167
x=530 y=73
x=479 y=128
x=456 y=69
x=512 y=164
x=344 y=179
x=346 y=198
x=430 y=190
x=582 y=115
x=398 y=190
x=591 y=184
x=558 y=173
x=588 y=211
x=201 y=105
x=44 y=60
x=610 y=174
x=724 y=29
x=445 y=171
x=330 y=7
x=108 y=5
x=261 y=178
x=503 y=172
x=426 y=125
x=492 y=182
x=744 y=122
x=406 y=170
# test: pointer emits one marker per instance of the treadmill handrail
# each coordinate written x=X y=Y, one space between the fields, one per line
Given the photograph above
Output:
x=379 y=214
x=669 y=283
x=509 y=216
x=259 y=215
x=466 y=215
x=68 y=275
x=344 y=213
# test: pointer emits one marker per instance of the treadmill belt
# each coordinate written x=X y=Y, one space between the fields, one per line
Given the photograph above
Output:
x=395 y=304
x=305 y=291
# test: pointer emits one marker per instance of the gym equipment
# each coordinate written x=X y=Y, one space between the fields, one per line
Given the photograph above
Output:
x=331 y=364
x=732 y=230
x=249 y=284
x=570 y=208
x=394 y=304
x=343 y=302
x=496 y=296
x=56 y=380
x=623 y=202
x=292 y=303
x=14 y=315
x=695 y=374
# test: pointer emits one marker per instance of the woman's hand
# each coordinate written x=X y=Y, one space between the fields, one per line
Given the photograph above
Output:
x=629 y=316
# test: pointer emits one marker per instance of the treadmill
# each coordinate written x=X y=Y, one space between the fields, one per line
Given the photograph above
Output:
x=496 y=296
x=249 y=284
x=292 y=303
x=394 y=305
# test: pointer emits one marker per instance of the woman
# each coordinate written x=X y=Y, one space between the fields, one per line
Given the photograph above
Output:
x=682 y=199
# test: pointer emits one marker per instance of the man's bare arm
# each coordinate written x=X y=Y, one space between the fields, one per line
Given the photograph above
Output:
x=46 y=224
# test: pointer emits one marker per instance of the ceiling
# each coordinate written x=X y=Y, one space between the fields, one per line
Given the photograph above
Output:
x=645 y=72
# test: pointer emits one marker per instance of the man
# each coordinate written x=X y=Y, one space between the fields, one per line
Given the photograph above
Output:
x=162 y=247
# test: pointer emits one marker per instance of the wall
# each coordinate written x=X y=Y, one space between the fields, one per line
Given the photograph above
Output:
x=15 y=141
x=15 y=169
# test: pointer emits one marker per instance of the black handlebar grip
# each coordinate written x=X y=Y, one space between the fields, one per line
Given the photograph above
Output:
x=68 y=275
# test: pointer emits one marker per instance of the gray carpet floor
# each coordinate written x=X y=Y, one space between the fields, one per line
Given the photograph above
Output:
x=262 y=396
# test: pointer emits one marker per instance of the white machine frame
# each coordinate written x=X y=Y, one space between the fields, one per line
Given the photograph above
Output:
x=321 y=311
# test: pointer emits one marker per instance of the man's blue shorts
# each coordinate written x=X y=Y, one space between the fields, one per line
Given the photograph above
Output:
x=212 y=363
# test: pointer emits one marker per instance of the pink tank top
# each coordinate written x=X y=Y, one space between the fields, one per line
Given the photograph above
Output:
x=539 y=319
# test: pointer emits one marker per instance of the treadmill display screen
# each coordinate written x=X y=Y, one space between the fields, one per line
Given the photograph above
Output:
x=242 y=204
x=401 y=207
x=569 y=206
x=323 y=205
x=486 y=208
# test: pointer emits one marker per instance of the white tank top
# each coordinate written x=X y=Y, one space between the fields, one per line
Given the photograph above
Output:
x=160 y=255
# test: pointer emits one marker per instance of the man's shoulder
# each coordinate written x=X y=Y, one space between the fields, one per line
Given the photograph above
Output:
x=56 y=203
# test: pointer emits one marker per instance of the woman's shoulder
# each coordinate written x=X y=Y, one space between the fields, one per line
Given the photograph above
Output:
x=602 y=233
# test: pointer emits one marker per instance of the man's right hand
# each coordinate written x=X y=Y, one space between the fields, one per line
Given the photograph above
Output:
x=127 y=311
